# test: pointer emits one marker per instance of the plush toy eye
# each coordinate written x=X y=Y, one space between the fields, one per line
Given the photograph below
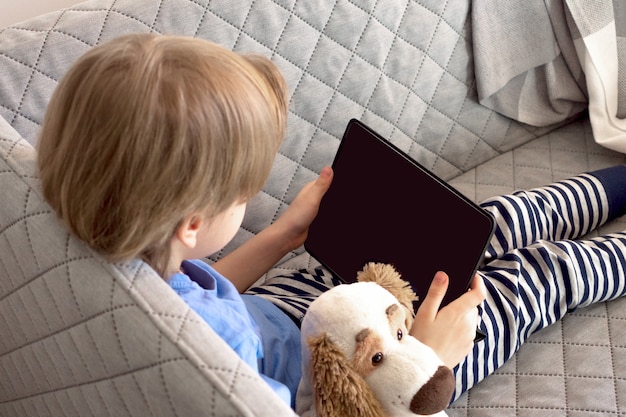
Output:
x=377 y=358
x=400 y=334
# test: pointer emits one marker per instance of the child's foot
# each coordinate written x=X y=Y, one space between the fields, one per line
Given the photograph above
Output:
x=614 y=181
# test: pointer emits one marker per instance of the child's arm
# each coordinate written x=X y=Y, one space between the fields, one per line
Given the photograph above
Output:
x=450 y=332
x=246 y=264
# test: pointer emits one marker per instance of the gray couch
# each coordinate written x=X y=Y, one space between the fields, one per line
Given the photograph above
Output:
x=80 y=336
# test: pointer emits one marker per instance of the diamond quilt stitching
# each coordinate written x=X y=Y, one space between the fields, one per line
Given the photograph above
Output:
x=113 y=9
x=269 y=46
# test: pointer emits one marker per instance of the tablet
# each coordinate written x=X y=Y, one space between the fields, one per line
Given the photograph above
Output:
x=385 y=207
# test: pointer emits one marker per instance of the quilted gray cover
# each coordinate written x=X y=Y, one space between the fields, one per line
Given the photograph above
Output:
x=82 y=337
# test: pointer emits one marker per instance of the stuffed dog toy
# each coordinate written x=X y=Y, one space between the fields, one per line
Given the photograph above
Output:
x=359 y=359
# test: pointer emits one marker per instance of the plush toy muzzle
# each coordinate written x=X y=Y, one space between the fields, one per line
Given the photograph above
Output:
x=359 y=359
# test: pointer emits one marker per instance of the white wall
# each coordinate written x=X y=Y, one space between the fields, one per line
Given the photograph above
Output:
x=13 y=11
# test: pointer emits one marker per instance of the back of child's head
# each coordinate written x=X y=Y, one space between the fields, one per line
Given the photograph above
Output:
x=145 y=130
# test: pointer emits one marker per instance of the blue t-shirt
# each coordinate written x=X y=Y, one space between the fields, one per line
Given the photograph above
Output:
x=249 y=324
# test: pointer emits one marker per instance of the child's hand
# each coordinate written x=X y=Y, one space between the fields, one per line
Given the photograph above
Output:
x=450 y=331
x=295 y=221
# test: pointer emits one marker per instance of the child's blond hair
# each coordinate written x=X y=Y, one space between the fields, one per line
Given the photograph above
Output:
x=147 y=129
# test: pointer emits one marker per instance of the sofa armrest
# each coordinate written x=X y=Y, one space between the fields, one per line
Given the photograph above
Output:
x=81 y=336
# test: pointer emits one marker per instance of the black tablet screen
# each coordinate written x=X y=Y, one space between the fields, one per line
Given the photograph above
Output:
x=385 y=207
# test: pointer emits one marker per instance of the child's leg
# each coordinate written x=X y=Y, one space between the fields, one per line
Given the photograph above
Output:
x=294 y=293
x=568 y=209
x=532 y=287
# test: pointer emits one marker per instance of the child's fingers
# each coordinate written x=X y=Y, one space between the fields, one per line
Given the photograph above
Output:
x=467 y=302
x=477 y=292
x=437 y=290
x=325 y=179
x=315 y=190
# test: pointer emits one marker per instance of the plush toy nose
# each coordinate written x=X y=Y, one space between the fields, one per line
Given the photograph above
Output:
x=436 y=394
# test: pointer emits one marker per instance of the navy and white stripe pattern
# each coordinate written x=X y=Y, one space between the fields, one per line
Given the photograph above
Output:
x=293 y=293
x=534 y=270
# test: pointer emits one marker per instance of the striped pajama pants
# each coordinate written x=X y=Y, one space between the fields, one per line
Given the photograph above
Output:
x=537 y=267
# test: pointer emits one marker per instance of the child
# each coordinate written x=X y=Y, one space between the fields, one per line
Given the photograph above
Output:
x=151 y=147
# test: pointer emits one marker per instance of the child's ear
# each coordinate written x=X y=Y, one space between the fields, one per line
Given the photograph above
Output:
x=187 y=232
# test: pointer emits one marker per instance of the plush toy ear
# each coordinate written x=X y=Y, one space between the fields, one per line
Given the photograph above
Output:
x=387 y=277
x=338 y=390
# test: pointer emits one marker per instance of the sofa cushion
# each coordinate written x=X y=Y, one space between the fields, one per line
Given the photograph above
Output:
x=404 y=68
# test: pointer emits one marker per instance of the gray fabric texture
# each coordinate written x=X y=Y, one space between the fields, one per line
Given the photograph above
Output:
x=83 y=337
x=404 y=68
x=542 y=62
x=525 y=61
